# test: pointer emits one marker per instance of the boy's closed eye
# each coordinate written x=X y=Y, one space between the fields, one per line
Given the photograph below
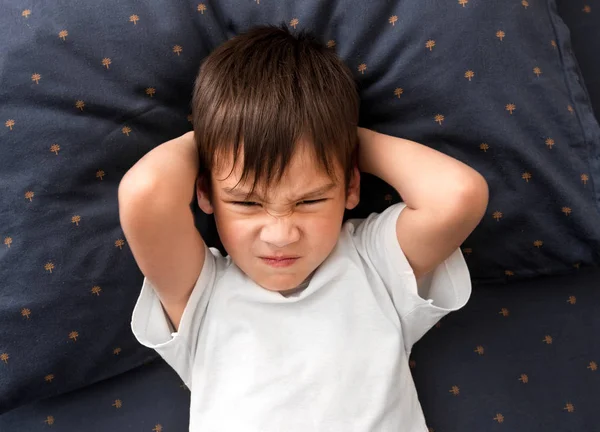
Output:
x=253 y=204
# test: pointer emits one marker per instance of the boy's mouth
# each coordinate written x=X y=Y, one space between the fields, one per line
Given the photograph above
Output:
x=283 y=261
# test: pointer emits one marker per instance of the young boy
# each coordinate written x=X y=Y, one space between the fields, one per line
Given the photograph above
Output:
x=306 y=324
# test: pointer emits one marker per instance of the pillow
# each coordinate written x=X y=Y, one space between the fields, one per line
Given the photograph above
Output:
x=89 y=89
x=150 y=398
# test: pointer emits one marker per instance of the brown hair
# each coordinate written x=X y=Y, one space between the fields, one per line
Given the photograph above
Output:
x=260 y=92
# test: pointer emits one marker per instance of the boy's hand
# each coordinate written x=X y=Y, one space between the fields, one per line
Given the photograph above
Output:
x=155 y=214
x=445 y=198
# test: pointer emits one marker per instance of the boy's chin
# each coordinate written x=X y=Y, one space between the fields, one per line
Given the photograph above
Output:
x=282 y=283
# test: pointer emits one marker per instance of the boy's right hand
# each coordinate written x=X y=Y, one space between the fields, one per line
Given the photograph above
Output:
x=154 y=210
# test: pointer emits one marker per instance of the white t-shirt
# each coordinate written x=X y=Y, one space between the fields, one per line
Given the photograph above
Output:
x=332 y=357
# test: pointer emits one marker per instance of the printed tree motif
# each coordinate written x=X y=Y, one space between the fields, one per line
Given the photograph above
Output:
x=49 y=266
x=572 y=300
x=439 y=119
x=63 y=34
x=294 y=22
x=587 y=9
x=48 y=378
x=393 y=19
x=201 y=8
x=585 y=178
x=388 y=198
x=467 y=251
x=479 y=350
x=134 y=19
x=49 y=420
x=79 y=105
x=26 y=313
x=126 y=130
x=570 y=109
x=76 y=219
x=499 y=418
x=569 y=407
x=55 y=148
x=525 y=4
x=29 y=195
x=566 y=210
x=524 y=378
x=120 y=243
x=96 y=290
x=118 y=403
x=106 y=62
x=430 y=44
x=500 y=35
x=36 y=77
x=157 y=428
x=463 y=2
x=26 y=13
x=497 y=215
x=9 y=123
x=526 y=176
x=593 y=366
x=330 y=43
x=151 y=91
x=553 y=43
x=8 y=241
x=509 y=272
x=362 y=68
x=117 y=351
x=550 y=143
x=100 y=174
x=398 y=91
x=73 y=336
x=504 y=311
x=469 y=74
x=538 y=243
x=547 y=339
x=484 y=146
x=455 y=390
x=510 y=108
x=4 y=357
x=177 y=49
x=537 y=71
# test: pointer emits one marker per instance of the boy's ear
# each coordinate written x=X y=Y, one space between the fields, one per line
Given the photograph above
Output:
x=203 y=194
x=353 y=193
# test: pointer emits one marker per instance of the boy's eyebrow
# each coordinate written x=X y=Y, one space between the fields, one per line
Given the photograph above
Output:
x=243 y=194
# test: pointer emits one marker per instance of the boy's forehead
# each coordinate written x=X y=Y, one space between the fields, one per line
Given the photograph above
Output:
x=303 y=174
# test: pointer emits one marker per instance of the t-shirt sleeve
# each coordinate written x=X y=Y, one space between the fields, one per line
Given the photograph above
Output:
x=152 y=327
x=419 y=305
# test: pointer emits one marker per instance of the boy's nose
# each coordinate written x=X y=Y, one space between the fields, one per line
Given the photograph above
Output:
x=280 y=232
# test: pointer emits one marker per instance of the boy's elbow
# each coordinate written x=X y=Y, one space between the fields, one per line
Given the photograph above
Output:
x=474 y=197
x=133 y=193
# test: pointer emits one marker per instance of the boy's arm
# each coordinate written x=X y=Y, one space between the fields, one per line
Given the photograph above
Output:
x=154 y=209
x=445 y=199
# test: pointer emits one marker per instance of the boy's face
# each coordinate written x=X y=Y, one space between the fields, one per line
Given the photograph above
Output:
x=283 y=221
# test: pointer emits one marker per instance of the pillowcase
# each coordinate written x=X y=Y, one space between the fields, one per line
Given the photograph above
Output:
x=89 y=89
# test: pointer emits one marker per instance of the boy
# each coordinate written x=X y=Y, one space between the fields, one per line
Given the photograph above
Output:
x=306 y=325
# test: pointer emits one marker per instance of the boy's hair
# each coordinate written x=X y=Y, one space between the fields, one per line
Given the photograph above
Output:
x=260 y=92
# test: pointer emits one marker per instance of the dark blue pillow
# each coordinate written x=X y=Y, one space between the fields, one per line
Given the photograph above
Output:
x=89 y=89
